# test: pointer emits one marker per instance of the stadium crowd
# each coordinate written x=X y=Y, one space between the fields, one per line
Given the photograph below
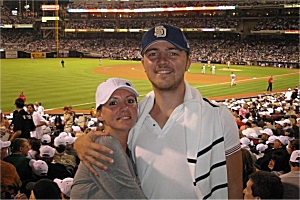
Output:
x=268 y=124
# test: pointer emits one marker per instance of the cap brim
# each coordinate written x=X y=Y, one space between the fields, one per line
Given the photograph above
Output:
x=129 y=88
x=161 y=40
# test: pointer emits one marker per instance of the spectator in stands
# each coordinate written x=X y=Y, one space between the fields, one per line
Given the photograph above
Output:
x=68 y=120
x=39 y=122
x=61 y=157
x=293 y=145
x=291 y=180
x=269 y=124
x=39 y=169
x=116 y=103
x=44 y=189
x=274 y=144
x=248 y=165
x=263 y=185
x=244 y=110
x=4 y=128
x=93 y=112
x=65 y=187
x=10 y=180
x=55 y=170
x=265 y=134
x=22 y=121
x=34 y=152
x=157 y=51
x=20 y=148
x=279 y=163
x=39 y=108
x=69 y=148
x=279 y=128
x=58 y=124
x=295 y=128
x=254 y=125
x=46 y=139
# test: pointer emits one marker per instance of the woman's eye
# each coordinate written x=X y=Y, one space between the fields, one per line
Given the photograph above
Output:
x=131 y=101
x=112 y=103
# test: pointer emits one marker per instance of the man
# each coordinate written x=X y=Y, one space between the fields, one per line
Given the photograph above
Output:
x=18 y=159
x=213 y=69
x=39 y=108
x=61 y=156
x=203 y=69
x=290 y=180
x=10 y=180
x=22 y=96
x=44 y=189
x=38 y=120
x=22 y=122
x=232 y=76
x=270 y=84
x=184 y=146
x=62 y=63
x=55 y=170
x=93 y=112
x=68 y=119
x=263 y=185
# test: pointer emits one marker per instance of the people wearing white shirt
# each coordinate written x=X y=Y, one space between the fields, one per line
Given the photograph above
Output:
x=39 y=108
x=38 y=120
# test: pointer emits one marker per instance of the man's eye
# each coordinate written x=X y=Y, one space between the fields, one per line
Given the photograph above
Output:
x=151 y=54
x=173 y=54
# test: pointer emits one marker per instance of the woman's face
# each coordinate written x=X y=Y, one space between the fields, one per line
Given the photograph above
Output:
x=119 y=113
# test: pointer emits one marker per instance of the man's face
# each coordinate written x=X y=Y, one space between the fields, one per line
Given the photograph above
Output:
x=25 y=148
x=265 y=136
x=248 y=191
x=165 y=65
x=30 y=109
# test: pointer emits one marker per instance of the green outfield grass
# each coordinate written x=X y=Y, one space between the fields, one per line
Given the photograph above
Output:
x=47 y=82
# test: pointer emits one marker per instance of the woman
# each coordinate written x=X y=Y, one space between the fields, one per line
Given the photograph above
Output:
x=279 y=163
x=248 y=165
x=116 y=104
x=4 y=127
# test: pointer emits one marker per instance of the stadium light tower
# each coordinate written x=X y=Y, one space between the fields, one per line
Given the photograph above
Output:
x=56 y=30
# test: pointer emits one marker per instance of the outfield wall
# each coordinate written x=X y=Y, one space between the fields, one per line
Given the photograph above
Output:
x=77 y=54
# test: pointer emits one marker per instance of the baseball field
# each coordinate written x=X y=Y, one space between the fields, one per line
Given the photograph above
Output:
x=45 y=81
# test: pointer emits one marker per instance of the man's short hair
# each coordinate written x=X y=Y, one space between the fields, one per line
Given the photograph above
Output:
x=266 y=185
x=19 y=102
x=18 y=143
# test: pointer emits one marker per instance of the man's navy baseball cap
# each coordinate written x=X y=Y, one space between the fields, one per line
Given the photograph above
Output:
x=165 y=32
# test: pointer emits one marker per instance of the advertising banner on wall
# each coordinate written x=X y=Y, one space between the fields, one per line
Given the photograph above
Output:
x=38 y=54
x=11 y=54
